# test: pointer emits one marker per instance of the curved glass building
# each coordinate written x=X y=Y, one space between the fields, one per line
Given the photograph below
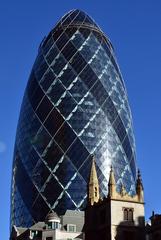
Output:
x=75 y=105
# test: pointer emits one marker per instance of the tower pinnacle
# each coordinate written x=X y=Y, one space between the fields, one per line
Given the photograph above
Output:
x=93 y=186
x=111 y=184
x=139 y=187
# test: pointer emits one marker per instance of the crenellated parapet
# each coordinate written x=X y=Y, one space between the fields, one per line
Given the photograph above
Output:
x=123 y=195
x=113 y=194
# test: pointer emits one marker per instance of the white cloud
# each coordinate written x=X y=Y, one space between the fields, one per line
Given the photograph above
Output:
x=2 y=147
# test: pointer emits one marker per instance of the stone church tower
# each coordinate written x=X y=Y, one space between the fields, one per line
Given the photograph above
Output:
x=119 y=216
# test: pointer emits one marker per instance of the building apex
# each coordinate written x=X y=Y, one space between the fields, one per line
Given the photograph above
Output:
x=93 y=186
x=111 y=177
x=93 y=173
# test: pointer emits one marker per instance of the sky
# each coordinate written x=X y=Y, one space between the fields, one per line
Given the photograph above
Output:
x=134 y=27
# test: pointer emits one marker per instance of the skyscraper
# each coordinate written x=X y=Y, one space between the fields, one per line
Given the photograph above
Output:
x=75 y=105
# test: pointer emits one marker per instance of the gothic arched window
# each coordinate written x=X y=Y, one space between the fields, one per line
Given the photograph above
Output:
x=130 y=215
x=125 y=214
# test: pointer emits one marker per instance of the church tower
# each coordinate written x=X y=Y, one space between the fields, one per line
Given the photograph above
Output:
x=119 y=216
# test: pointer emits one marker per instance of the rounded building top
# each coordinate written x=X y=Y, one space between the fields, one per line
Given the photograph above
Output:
x=76 y=17
x=52 y=216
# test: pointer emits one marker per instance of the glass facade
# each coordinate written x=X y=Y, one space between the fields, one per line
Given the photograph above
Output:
x=75 y=105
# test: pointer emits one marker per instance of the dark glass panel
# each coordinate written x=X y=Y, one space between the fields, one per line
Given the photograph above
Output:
x=77 y=189
x=67 y=21
x=31 y=161
x=78 y=62
x=57 y=33
x=65 y=17
x=36 y=98
x=53 y=155
x=52 y=54
x=44 y=108
x=133 y=167
x=65 y=136
x=34 y=127
x=41 y=140
x=85 y=169
x=99 y=92
x=24 y=183
x=41 y=69
x=69 y=18
x=65 y=171
x=78 y=120
x=86 y=52
x=119 y=128
x=64 y=204
x=53 y=122
x=70 y=31
x=66 y=105
x=40 y=174
x=85 y=32
x=79 y=18
x=56 y=91
x=127 y=147
x=58 y=64
x=47 y=80
x=88 y=76
x=78 y=40
x=62 y=40
x=98 y=36
x=106 y=47
x=89 y=21
x=110 y=110
x=78 y=90
x=74 y=153
x=48 y=43
x=68 y=76
x=36 y=213
x=52 y=190
x=74 y=14
x=68 y=51
x=32 y=84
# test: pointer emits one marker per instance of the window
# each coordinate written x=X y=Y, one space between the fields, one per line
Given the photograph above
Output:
x=53 y=225
x=128 y=214
x=95 y=192
x=71 y=228
x=125 y=214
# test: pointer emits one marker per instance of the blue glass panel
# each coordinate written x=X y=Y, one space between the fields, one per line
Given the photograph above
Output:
x=53 y=122
x=41 y=140
x=65 y=167
x=56 y=91
x=68 y=51
x=44 y=108
x=49 y=193
x=66 y=105
x=77 y=189
x=74 y=153
x=65 y=136
x=53 y=155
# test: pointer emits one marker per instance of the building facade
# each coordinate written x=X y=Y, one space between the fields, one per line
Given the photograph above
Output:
x=75 y=105
x=68 y=226
x=118 y=216
x=153 y=228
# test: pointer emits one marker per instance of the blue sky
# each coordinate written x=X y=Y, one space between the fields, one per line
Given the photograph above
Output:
x=134 y=28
